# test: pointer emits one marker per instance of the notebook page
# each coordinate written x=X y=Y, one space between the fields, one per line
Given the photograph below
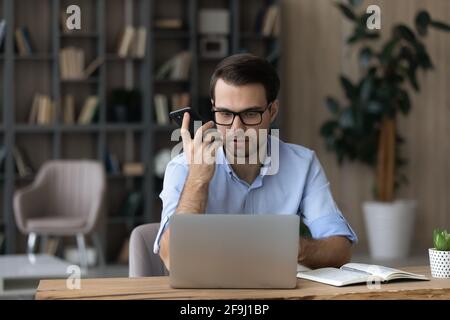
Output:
x=385 y=273
x=333 y=276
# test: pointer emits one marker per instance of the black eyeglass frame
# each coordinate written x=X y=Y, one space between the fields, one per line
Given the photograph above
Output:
x=261 y=112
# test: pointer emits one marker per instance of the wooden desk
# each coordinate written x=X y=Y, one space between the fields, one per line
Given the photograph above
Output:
x=158 y=288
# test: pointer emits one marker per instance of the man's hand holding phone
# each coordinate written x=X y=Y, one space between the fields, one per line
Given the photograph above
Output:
x=200 y=152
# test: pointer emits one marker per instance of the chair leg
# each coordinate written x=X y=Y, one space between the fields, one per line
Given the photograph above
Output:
x=82 y=251
x=98 y=245
x=31 y=242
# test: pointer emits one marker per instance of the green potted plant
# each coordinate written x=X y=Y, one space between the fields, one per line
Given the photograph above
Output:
x=364 y=127
x=440 y=254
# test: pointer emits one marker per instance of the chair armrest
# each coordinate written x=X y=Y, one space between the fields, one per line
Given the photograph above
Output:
x=28 y=203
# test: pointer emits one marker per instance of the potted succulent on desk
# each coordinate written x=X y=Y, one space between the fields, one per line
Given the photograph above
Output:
x=364 y=127
x=440 y=254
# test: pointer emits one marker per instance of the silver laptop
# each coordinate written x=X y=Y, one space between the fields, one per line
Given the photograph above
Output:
x=233 y=251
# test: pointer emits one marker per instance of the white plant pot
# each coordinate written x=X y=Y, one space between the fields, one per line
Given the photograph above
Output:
x=439 y=263
x=389 y=227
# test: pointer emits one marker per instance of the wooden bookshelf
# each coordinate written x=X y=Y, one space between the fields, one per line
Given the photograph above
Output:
x=102 y=24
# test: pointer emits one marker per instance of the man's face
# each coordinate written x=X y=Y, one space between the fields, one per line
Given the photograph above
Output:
x=249 y=97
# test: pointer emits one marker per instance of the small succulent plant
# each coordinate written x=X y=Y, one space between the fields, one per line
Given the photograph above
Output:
x=441 y=240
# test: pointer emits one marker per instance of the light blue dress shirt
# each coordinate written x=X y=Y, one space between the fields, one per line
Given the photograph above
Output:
x=299 y=186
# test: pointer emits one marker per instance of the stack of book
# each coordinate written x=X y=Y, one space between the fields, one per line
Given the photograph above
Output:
x=162 y=108
x=72 y=62
x=89 y=110
x=23 y=42
x=180 y=100
x=132 y=43
x=176 y=68
x=269 y=22
x=133 y=169
x=42 y=110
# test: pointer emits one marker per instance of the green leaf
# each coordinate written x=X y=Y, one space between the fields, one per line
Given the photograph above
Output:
x=355 y=2
x=441 y=240
x=423 y=20
x=413 y=78
x=374 y=107
x=332 y=105
x=386 y=53
x=406 y=33
x=350 y=90
x=366 y=89
x=347 y=120
x=328 y=128
x=365 y=55
x=346 y=11
x=404 y=103
x=440 y=25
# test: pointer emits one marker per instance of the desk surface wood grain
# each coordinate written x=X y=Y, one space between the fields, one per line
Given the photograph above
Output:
x=158 y=288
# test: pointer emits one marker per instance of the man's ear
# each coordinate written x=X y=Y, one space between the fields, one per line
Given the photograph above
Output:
x=274 y=110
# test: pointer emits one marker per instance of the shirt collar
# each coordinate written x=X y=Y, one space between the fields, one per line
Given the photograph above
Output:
x=222 y=159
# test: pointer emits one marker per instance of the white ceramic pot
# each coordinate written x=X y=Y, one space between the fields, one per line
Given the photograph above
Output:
x=439 y=263
x=389 y=227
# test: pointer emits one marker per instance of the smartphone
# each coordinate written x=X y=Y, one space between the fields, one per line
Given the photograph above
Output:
x=177 y=116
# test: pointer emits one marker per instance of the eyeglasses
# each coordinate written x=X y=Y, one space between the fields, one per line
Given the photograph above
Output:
x=248 y=117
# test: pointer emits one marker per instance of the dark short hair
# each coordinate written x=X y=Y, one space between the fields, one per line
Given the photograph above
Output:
x=245 y=68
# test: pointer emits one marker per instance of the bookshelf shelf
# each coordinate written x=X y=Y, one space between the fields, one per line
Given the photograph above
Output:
x=80 y=128
x=171 y=34
x=115 y=57
x=127 y=141
x=164 y=127
x=80 y=35
x=34 y=57
x=257 y=37
x=171 y=82
x=80 y=81
x=28 y=128
x=124 y=126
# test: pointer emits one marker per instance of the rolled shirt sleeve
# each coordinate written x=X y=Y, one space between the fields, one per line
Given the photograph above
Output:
x=174 y=179
x=318 y=208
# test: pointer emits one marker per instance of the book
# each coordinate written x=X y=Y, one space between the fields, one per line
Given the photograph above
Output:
x=161 y=109
x=139 y=42
x=168 y=23
x=354 y=273
x=71 y=62
x=180 y=100
x=176 y=68
x=88 y=111
x=21 y=163
x=126 y=41
x=2 y=34
x=269 y=25
x=90 y=69
x=133 y=169
x=69 y=109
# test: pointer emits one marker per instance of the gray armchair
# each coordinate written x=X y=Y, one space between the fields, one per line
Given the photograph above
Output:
x=65 y=199
x=143 y=262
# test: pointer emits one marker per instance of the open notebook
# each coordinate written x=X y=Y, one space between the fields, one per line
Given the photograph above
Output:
x=352 y=273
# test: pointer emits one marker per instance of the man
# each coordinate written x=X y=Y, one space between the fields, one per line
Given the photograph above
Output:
x=244 y=91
